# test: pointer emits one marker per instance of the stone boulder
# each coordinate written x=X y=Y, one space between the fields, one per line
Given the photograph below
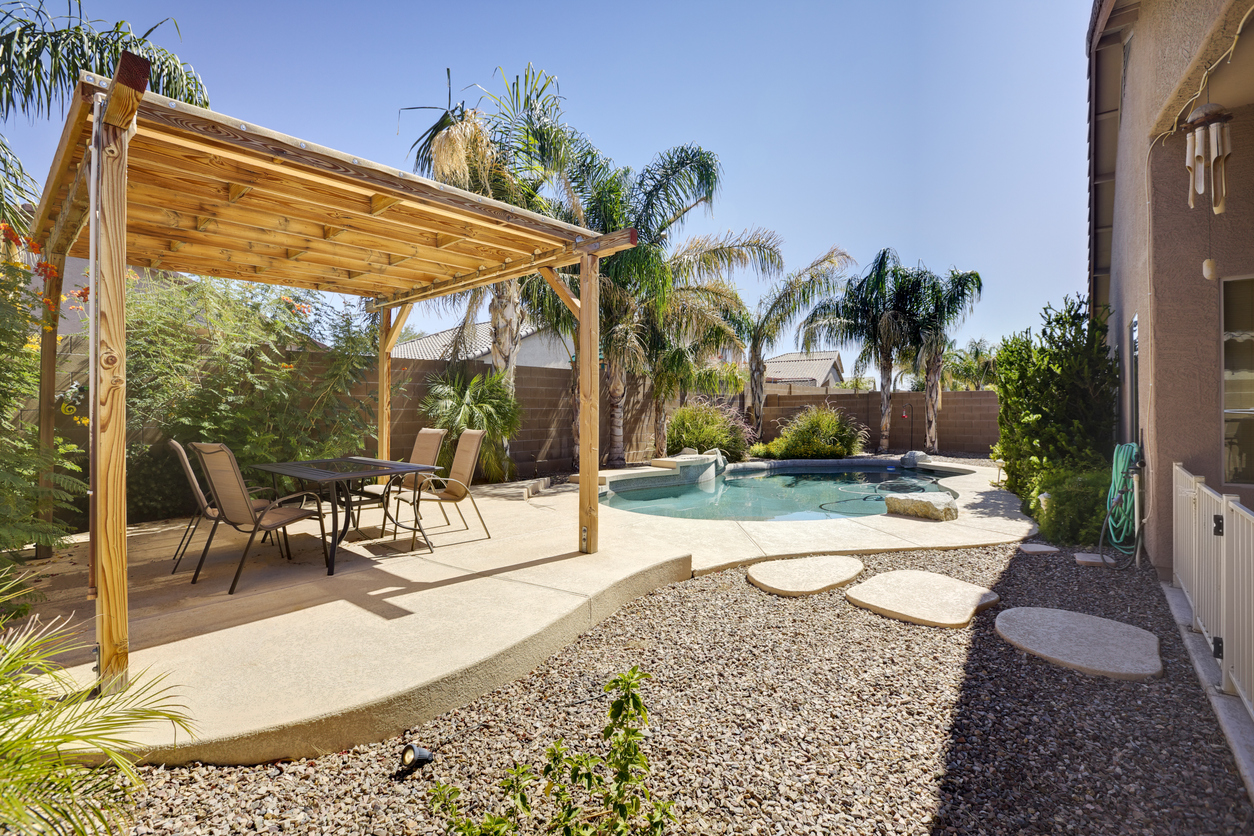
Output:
x=928 y=506
x=915 y=458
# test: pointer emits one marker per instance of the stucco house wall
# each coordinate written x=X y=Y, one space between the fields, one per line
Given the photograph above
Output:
x=1177 y=310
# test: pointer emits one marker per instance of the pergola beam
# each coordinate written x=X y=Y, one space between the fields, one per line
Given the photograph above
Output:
x=601 y=246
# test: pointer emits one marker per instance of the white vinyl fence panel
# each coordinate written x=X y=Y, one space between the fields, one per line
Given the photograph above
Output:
x=1213 y=539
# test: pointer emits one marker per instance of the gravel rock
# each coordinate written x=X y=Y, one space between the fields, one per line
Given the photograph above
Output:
x=779 y=715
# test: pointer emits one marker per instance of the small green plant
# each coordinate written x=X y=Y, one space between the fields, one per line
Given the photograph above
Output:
x=1076 y=508
x=591 y=796
x=817 y=432
x=704 y=424
x=484 y=402
x=48 y=723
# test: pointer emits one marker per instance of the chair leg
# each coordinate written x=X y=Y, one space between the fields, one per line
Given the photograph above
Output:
x=188 y=533
x=457 y=506
x=242 y=558
x=475 y=505
x=440 y=505
x=326 y=555
x=286 y=542
x=205 y=552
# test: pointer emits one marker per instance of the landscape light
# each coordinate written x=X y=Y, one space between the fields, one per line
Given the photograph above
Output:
x=413 y=758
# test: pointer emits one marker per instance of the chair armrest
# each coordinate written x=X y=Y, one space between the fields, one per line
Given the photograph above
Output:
x=301 y=494
x=446 y=482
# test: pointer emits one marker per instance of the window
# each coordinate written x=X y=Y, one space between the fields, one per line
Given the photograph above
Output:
x=1238 y=315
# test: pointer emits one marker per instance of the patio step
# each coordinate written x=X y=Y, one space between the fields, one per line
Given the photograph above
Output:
x=626 y=473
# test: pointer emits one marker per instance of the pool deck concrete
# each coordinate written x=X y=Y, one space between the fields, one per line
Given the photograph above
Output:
x=297 y=664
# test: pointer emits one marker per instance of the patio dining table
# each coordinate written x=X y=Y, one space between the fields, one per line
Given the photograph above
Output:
x=340 y=473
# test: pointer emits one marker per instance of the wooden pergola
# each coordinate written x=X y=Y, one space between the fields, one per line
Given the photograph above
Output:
x=176 y=187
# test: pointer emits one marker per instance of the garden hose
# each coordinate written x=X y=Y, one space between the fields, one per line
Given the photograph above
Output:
x=1121 y=521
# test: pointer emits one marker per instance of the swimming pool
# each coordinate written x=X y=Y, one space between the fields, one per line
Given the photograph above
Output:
x=813 y=494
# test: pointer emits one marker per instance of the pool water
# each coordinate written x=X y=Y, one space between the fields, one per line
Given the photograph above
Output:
x=778 y=496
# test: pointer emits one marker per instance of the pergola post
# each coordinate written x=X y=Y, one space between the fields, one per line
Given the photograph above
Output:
x=108 y=430
x=48 y=383
x=589 y=399
x=389 y=333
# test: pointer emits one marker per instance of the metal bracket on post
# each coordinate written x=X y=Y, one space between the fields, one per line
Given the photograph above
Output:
x=583 y=539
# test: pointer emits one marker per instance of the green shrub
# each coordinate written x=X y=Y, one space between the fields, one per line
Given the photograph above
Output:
x=817 y=432
x=1057 y=396
x=591 y=796
x=484 y=402
x=704 y=424
x=156 y=487
x=1076 y=508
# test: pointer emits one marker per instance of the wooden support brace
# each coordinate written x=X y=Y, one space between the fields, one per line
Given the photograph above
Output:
x=73 y=215
x=560 y=288
x=175 y=246
x=443 y=240
x=398 y=324
x=380 y=203
x=589 y=401
x=330 y=233
x=292 y=255
x=202 y=223
x=234 y=191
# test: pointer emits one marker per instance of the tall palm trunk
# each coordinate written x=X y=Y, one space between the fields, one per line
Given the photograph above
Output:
x=886 y=399
x=505 y=308
x=659 y=427
x=934 y=365
x=757 y=386
x=615 y=394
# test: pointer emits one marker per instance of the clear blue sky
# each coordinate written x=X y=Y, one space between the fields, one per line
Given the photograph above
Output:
x=953 y=131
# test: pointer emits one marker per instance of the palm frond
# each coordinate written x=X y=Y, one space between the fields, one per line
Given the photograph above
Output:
x=705 y=257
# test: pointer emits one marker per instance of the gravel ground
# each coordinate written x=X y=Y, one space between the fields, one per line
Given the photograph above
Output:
x=785 y=715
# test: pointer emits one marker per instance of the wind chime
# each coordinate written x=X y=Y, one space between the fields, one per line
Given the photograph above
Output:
x=1208 y=144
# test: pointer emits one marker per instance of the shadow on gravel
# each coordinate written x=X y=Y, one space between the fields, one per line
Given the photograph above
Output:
x=1035 y=748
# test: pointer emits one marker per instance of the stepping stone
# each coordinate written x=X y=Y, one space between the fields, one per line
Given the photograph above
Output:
x=1089 y=559
x=1037 y=548
x=1086 y=643
x=805 y=575
x=922 y=598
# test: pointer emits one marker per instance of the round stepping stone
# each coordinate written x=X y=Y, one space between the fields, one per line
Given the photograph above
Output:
x=1086 y=643
x=805 y=575
x=1037 y=548
x=922 y=598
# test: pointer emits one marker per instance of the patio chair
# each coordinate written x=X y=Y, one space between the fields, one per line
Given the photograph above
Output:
x=427 y=447
x=204 y=508
x=235 y=506
x=454 y=489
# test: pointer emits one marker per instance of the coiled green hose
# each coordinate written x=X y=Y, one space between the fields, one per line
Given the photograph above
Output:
x=1121 y=520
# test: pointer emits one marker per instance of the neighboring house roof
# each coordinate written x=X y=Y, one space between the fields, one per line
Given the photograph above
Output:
x=811 y=368
x=435 y=346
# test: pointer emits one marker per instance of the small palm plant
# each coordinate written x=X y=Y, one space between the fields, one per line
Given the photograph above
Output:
x=484 y=402
x=51 y=728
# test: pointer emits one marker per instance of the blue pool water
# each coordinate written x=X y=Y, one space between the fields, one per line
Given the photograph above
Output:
x=778 y=496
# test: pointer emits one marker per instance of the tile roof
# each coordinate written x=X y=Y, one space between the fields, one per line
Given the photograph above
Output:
x=797 y=367
x=435 y=346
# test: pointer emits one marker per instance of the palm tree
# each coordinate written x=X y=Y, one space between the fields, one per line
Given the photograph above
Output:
x=41 y=56
x=776 y=310
x=512 y=153
x=942 y=303
x=655 y=201
x=682 y=346
x=873 y=312
x=975 y=366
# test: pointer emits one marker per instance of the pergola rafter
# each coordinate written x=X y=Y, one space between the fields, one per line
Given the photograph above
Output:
x=184 y=189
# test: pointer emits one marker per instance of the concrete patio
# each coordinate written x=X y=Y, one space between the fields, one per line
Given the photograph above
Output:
x=297 y=663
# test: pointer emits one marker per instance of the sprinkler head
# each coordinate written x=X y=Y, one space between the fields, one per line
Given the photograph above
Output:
x=413 y=758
